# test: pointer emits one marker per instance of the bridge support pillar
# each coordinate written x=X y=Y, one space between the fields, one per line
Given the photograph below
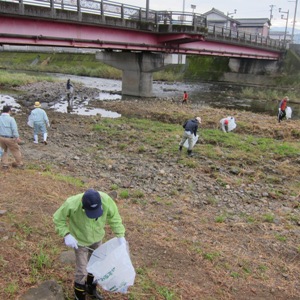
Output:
x=138 y=68
x=252 y=66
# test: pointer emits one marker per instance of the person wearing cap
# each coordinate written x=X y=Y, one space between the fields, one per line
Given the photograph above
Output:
x=227 y=124
x=39 y=120
x=190 y=129
x=282 y=108
x=9 y=139
x=224 y=124
x=81 y=221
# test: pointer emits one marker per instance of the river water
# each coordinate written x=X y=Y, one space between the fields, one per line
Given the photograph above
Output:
x=201 y=94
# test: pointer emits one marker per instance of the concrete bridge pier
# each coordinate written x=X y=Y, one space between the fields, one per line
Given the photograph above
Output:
x=138 y=68
x=252 y=66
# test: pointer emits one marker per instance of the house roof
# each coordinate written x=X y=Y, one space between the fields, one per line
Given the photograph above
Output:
x=254 y=22
x=216 y=11
x=221 y=14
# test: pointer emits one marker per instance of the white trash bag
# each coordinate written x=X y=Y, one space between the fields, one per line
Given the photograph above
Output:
x=195 y=139
x=288 y=113
x=231 y=123
x=111 y=266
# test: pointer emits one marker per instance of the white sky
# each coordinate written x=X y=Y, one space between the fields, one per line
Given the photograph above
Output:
x=245 y=8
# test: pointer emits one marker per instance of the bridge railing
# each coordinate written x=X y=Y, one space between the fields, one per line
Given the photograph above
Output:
x=160 y=21
x=243 y=37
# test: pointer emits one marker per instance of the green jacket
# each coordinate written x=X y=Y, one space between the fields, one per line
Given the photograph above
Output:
x=71 y=218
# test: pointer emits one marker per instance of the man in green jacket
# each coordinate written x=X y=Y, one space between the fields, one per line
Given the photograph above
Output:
x=81 y=221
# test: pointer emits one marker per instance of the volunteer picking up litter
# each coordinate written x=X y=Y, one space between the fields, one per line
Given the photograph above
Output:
x=81 y=221
x=190 y=130
x=282 y=108
x=227 y=124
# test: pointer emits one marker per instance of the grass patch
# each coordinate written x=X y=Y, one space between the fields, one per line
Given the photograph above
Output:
x=211 y=256
x=162 y=137
x=11 y=79
x=124 y=194
x=220 y=219
x=269 y=218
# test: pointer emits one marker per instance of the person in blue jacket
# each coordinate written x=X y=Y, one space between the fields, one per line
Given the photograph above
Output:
x=38 y=119
x=9 y=139
x=190 y=130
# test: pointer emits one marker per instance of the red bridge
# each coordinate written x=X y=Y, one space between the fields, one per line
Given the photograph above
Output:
x=117 y=28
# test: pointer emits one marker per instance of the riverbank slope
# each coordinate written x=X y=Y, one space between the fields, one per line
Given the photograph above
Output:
x=223 y=224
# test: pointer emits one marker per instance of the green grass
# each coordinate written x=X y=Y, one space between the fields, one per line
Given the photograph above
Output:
x=211 y=256
x=220 y=219
x=11 y=79
x=280 y=238
x=11 y=288
x=152 y=289
x=76 y=64
x=269 y=218
x=40 y=260
x=270 y=94
x=72 y=180
x=124 y=194
x=149 y=134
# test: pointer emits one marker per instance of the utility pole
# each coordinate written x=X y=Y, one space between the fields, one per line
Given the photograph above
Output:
x=271 y=12
x=228 y=16
x=294 y=21
x=287 y=19
x=147 y=10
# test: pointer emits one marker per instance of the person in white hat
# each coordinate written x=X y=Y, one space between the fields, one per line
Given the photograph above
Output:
x=190 y=129
x=38 y=119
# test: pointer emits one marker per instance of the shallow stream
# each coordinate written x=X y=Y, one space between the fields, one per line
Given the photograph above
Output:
x=202 y=94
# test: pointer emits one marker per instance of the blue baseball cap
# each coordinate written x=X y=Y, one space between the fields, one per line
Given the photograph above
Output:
x=92 y=204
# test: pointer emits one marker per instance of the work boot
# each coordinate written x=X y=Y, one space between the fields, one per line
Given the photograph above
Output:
x=79 y=290
x=180 y=148
x=17 y=166
x=91 y=288
x=190 y=153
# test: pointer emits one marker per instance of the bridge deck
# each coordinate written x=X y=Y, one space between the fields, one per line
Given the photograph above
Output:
x=114 y=26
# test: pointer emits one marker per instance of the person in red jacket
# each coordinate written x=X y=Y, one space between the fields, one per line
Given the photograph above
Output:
x=282 y=108
x=185 y=98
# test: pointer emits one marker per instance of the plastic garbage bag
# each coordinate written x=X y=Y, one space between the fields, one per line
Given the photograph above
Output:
x=231 y=123
x=111 y=266
x=30 y=122
x=288 y=113
x=195 y=139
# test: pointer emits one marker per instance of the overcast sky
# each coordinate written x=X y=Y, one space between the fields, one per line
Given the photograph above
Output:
x=245 y=8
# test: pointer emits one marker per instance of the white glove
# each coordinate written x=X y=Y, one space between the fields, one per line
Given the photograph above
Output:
x=70 y=241
x=121 y=240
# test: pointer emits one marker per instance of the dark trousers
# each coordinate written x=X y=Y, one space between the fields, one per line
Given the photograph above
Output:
x=281 y=115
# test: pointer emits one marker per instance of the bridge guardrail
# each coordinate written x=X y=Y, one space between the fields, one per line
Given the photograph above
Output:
x=243 y=37
x=161 y=21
